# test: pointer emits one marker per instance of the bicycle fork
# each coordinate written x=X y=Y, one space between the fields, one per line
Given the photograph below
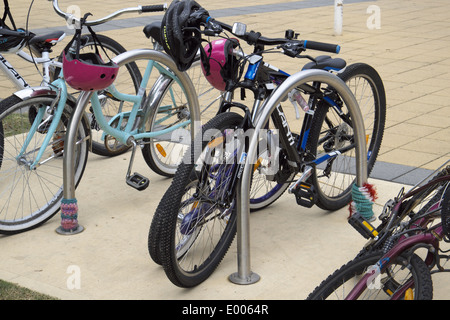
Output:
x=49 y=125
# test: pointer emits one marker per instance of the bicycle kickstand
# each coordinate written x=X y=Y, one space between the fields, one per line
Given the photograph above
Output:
x=136 y=180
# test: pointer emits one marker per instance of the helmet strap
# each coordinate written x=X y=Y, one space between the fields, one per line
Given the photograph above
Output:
x=97 y=43
x=77 y=39
x=204 y=57
x=7 y=13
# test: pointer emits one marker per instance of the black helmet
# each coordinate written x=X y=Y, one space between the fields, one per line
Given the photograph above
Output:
x=12 y=41
x=179 y=42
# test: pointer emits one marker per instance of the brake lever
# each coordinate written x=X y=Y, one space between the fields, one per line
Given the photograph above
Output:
x=212 y=28
x=292 y=49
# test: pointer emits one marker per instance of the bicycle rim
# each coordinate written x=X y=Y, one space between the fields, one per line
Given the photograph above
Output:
x=164 y=152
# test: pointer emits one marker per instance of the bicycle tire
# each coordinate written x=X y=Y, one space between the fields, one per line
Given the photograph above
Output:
x=163 y=245
x=163 y=153
x=332 y=286
x=445 y=214
x=31 y=197
x=129 y=82
x=333 y=183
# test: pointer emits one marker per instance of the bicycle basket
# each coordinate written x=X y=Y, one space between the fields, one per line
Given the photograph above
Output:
x=445 y=214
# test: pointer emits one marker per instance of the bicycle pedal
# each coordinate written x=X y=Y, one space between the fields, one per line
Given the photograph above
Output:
x=138 y=181
x=361 y=225
x=305 y=194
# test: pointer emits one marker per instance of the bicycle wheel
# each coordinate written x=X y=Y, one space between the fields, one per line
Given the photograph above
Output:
x=394 y=280
x=195 y=222
x=128 y=81
x=331 y=131
x=164 y=152
x=29 y=197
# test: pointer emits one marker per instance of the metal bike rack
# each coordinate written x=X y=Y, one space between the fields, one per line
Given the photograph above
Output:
x=244 y=275
x=69 y=207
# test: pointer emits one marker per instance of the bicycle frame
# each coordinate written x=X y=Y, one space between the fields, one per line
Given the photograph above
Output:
x=293 y=149
x=124 y=135
x=59 y=89
x=430 y=239
x=424 y=239
x=14 y=76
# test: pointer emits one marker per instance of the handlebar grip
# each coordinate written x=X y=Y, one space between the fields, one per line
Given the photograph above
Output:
x=321 y=46
x=154 y=8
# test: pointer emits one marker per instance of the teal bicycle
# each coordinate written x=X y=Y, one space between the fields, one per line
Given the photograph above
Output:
x=34 y=131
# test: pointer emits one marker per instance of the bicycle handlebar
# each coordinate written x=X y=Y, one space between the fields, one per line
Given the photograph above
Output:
x=74 y=20
x=154 y=8
x=321 y=46
x=214 y=27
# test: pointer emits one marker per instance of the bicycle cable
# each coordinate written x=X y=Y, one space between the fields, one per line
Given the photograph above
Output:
x=28 y=41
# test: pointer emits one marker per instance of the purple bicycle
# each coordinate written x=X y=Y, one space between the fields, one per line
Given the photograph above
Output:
x=391 y=266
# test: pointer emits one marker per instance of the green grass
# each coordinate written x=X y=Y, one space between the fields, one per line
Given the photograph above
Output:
x=15 y=124
x=11 y=291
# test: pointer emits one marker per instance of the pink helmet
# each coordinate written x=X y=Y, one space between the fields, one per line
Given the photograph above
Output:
x=219 y=65
x=88 y=72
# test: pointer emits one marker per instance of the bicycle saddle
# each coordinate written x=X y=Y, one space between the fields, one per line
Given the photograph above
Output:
x=53 y=37
x=326 y=63
x=153 y=30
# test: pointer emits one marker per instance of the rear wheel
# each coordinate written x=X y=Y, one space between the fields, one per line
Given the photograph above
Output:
x=163 y=153
x=332 y=131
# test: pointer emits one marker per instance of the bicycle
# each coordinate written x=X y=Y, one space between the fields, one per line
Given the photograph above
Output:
x=41 y=47
x=37 y=142
x=196 y=218
x=389 y=266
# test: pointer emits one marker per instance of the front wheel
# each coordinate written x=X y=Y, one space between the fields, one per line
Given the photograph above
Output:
x=30 y=196
x=195 y=221
x=405 y=278
x=331 y=131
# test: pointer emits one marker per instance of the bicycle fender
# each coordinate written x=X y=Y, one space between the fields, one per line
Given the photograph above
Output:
x=48 y=91
x=44 y=91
